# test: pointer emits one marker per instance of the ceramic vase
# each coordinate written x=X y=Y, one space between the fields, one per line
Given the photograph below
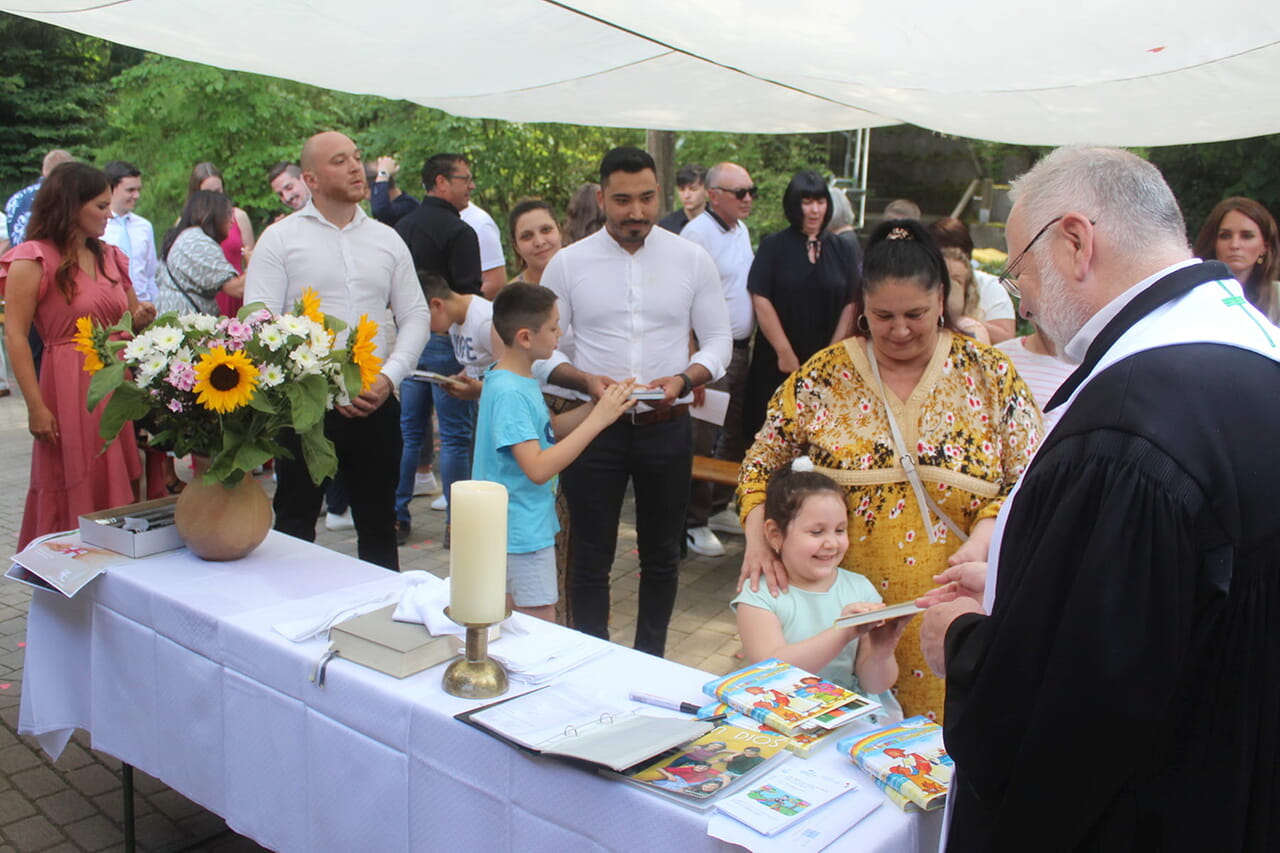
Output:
x=222 y=522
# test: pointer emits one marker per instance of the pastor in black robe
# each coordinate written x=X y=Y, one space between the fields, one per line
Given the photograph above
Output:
x=1124 y=693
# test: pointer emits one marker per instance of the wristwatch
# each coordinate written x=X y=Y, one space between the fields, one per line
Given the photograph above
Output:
x=383 y=173
x=688 y=384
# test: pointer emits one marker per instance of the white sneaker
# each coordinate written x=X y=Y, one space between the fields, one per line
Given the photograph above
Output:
x=440 y=504
x=425 y=484
x=333 y=521
x=725 y=521
x=702 y=541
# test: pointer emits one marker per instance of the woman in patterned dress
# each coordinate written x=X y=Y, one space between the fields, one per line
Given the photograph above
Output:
x=967 y=421
x=193 y=270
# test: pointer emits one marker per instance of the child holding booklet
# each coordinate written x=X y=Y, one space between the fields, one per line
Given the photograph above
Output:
x=516 y=446
x=806 y=523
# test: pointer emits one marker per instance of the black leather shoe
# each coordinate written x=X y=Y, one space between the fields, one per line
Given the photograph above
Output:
x=402 y=532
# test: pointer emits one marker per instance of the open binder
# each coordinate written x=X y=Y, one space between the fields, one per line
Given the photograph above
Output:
x=549 y=722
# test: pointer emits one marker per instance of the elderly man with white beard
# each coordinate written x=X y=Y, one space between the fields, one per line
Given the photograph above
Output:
x=1113 y=676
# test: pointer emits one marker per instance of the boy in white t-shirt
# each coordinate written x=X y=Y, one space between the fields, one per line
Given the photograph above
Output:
x=468 y=321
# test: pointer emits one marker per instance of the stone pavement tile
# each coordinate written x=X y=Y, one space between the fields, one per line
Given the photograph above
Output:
x=13 y=807
x=111 y=804
x=702 y=644
x=155 y=832
x=720 y=664
x=66 y=806
x=93 y=779
x=173 y=805
x=147 y=785
x=37 y=782
x=95 y=833
x=33 y=834
x=18 y=757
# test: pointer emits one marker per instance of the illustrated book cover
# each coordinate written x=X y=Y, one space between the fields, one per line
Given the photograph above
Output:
x=702 y=771
x=908 y=760
x=789 y=699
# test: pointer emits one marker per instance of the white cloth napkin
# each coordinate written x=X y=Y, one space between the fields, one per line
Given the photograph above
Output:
x=340 y=606
x=425 y=605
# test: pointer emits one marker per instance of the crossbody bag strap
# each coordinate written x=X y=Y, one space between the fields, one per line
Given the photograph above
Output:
x=908 y=462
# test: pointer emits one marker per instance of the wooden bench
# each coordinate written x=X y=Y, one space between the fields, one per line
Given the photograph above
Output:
x=716 y=470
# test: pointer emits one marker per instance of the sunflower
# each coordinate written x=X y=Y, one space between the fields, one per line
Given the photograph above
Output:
x=309 y=306
x=84 y=343
x=362 y=351
x=224 y=381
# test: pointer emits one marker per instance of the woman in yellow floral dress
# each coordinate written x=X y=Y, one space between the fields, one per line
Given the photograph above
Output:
x=965 y=418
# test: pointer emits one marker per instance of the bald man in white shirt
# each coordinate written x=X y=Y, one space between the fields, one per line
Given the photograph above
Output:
x=358 y=266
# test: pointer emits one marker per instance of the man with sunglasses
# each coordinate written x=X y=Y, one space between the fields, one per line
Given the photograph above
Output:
x=721 y=229
x=1132 y=597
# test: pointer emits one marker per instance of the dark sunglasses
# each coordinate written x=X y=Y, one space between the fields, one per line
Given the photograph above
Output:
x=752 y=191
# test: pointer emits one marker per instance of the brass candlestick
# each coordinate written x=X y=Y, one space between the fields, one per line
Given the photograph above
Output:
x=475 y=675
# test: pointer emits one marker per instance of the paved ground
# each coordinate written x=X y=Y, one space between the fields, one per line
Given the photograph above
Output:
x=75 y=803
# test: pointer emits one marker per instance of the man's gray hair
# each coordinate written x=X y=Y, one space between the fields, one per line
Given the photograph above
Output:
x=1125 y=196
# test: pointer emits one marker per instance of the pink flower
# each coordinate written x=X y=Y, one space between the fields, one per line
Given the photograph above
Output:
x=175 y=406
x=182 y=375
x=237 y=331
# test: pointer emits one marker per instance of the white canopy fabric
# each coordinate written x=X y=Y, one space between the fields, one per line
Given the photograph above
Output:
x=1137 y=72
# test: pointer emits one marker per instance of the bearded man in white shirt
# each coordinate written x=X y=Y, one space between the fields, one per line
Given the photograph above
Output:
x=358 y=266
x=632 y=294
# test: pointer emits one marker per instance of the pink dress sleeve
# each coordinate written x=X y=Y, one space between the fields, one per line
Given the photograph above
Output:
x=31 y=250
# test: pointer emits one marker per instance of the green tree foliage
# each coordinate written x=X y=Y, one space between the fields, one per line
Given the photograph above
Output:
x=511 y=160
x=53 y=88
x=167 y=114
x=1202 y=175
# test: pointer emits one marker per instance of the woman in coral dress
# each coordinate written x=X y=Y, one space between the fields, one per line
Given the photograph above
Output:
x=964 y=416
x=61 y=273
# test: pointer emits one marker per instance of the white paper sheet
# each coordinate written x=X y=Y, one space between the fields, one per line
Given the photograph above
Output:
x=713 y=409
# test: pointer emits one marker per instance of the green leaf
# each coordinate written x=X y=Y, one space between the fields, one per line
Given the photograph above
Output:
x=260 y=402
x=251 y=308
x=318 y=453
x=307 y=398
x=103 y=383
x=128 y=404
x=351 y=378
x=252 y=455
x=333 y=323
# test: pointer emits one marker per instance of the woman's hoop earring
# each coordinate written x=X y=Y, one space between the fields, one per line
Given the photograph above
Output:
x=1262 y=259
x=863 y=325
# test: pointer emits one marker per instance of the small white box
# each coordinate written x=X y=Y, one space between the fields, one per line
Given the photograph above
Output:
x=127 y=542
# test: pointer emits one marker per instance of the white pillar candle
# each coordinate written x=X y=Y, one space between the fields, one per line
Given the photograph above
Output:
x=478 y=551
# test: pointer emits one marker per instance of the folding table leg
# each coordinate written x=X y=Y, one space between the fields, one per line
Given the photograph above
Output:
x=126 y=779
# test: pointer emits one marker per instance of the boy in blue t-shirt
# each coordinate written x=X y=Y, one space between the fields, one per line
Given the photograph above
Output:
x=515 y=444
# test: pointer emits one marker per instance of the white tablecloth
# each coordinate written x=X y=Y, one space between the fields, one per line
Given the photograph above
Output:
x=172 y=666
